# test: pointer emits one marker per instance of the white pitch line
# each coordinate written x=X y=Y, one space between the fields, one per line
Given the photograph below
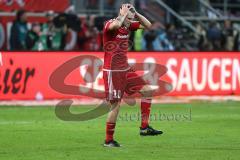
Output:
x=15 y=122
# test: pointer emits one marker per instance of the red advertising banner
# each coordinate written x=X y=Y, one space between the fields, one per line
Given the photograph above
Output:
x=25 y=76
x=34 y=5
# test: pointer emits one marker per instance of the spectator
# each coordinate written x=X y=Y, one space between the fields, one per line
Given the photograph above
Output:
x=48 y=28
x=174 y=35
x=56 y=40
x=214 y=36
x=137 y=39
x=162 y=42
x=149 y=37
x=55 y=37
x=230 y=35
x=34 y=40
x=89 y=38
x=203 y=44
x=19 y=32
x=171 y=31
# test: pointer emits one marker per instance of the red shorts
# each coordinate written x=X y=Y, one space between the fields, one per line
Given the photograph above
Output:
x=117 y=83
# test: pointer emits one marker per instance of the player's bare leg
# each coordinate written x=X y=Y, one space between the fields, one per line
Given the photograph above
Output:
x=113 y=114
x=110 y=126
x=146 y=102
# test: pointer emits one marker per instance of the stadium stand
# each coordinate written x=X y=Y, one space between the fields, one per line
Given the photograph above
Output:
x=204 y=26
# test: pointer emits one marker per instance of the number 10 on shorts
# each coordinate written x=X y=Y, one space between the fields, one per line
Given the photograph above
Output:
x=116 y=94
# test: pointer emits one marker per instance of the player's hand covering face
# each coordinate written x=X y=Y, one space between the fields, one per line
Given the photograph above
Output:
x=124 y=9
x=129 y=10
x=131 y=14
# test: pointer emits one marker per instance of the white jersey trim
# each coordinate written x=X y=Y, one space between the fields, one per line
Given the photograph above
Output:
x=109 y=70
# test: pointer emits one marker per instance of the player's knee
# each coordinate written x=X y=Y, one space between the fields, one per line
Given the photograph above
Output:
x=147 y=91
x=115 y=106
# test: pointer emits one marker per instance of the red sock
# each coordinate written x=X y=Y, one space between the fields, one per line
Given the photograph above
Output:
x=145 y=112
x=110 y=127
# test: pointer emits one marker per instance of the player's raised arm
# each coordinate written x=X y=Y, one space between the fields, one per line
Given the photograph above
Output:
x=118 y=22
x=145 y=23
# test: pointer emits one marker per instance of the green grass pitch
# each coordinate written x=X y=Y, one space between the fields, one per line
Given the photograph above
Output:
x=211 y=131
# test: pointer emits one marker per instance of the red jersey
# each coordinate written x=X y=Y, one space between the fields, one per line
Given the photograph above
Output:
x=116 y=44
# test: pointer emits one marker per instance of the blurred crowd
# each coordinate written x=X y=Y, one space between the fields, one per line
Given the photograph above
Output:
x=213 y=36
x=53 y=35
x=41 y=37
x=218 y=37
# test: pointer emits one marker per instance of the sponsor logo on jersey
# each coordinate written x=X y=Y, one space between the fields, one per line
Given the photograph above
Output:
x=123 y=36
